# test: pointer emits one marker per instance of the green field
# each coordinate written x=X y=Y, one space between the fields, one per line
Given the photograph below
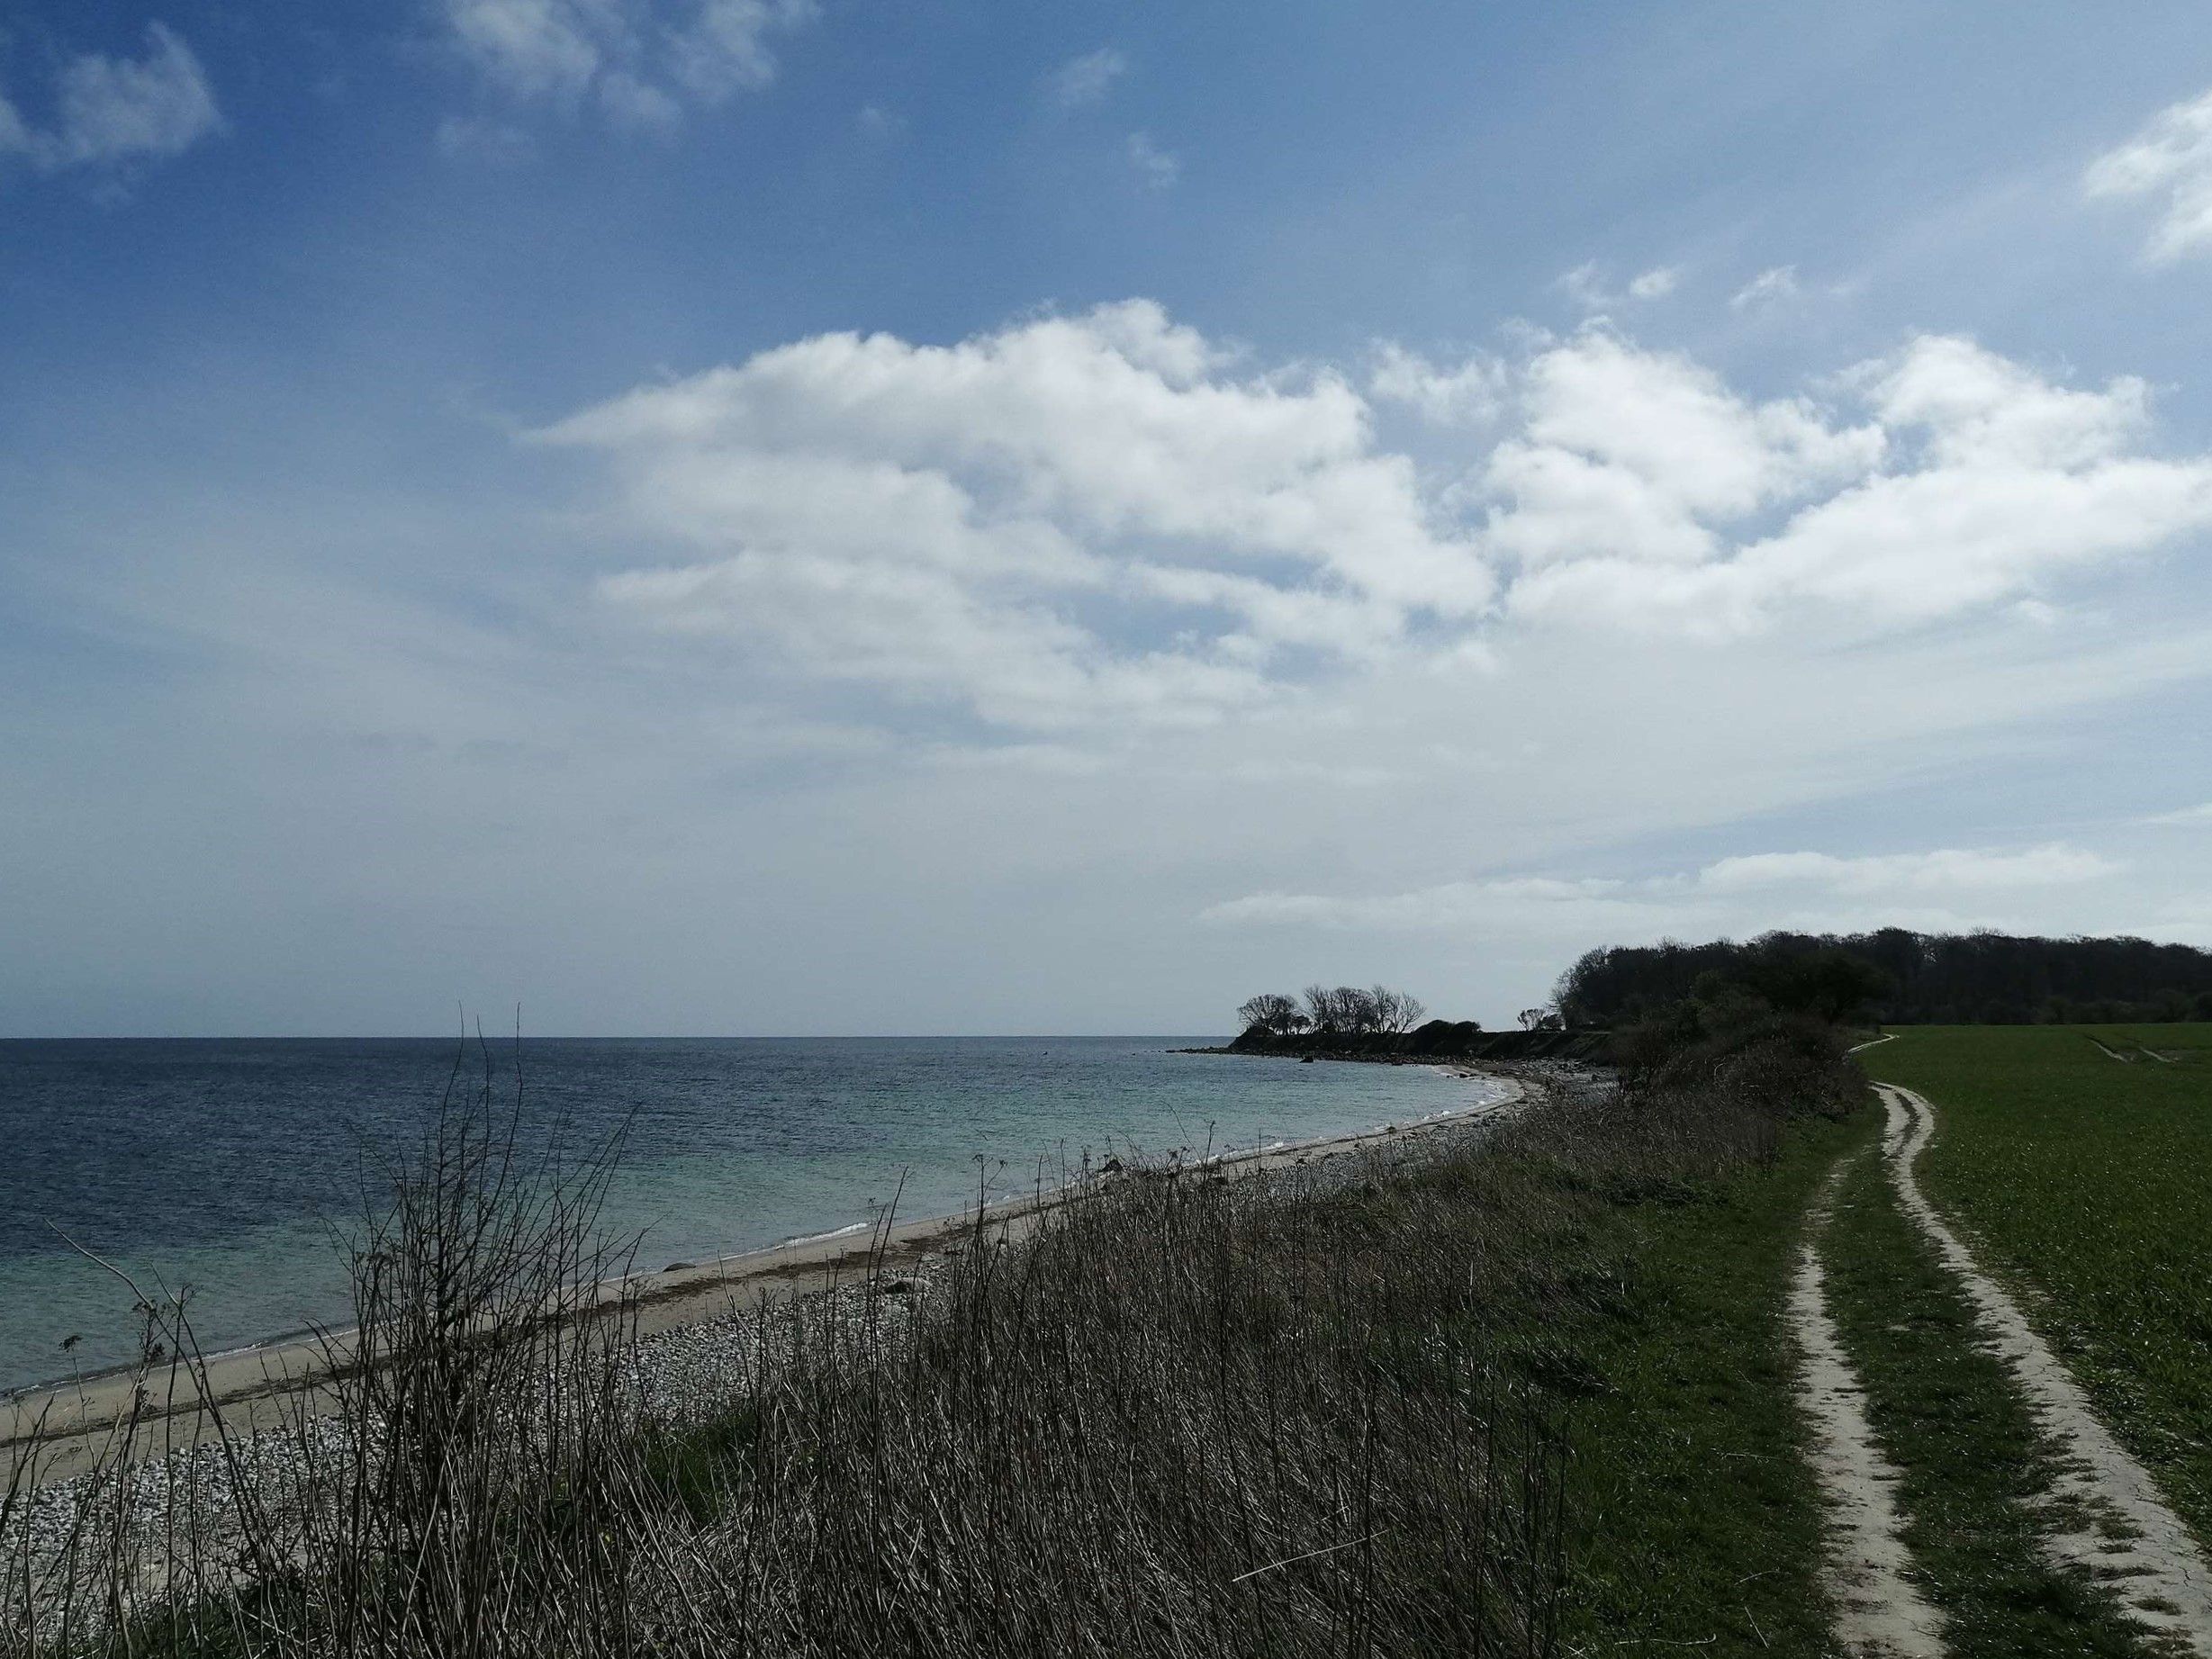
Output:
x=2086 y=1184
x=1973 y=1469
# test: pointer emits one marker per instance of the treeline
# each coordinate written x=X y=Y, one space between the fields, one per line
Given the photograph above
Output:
x=1901 y=977
x=1336 y=1011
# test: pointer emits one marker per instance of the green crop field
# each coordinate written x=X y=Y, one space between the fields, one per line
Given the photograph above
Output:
x=2086 y=1184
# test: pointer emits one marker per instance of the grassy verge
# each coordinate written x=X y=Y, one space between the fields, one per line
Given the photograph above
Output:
x=1696 y=1517
x=2082 y=1183
x=1947 y=1413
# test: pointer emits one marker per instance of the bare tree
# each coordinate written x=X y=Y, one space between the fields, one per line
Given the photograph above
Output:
x=1271 y=1012
x=1323 y=1011
x=1396 y=1012
x=1360 y=1013
x=1349 y=1010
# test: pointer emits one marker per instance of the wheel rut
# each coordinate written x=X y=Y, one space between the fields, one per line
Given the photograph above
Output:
x=2105 y=1515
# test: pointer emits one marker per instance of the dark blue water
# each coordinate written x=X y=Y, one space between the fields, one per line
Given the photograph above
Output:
x=222 y=1165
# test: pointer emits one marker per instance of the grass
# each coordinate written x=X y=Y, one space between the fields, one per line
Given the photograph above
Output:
x=1523 y=1397
x=2082 y=1183
x=1971 y=1466
x=1696 y=1518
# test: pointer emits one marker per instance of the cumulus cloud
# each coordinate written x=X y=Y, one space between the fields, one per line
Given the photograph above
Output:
x=2168 y=162
x=1083 y=81
x=1698 y=898
x=641 y=63
x=1627 y=458
x=1102 y=517
x=1467 y=393
x=1645 y=490
x=1072 y=518
x=112 y=111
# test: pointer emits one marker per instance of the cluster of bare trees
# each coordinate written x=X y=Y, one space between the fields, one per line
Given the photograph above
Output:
x=1343 y=1010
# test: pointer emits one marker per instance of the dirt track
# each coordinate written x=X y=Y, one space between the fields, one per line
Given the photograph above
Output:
x=2106 y=1514
x=1878 y=1609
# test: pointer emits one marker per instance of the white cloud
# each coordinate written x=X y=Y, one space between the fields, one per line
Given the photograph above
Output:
x=1621 y=456
x=114 y=110
x=1107 y=517
x=1081 y=81
x=1451 y=906
x=1469 y=394
x=2189 y=817
x=1709 y=898
x=1069 y=520
x=2170 y=161
x=641 y=62
x=1154 y=166
x=724 y=49
x=1949 y=869
x=1582 y=284
x=1585 y=285
x=1774 y=286
x=1641 y=489
x=532 y=47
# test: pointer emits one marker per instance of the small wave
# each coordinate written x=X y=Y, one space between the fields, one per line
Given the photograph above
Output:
x=817 y=1238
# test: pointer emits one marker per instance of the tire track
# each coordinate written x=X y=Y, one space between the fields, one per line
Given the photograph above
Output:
x=1879 y=1611
x=2108 y=1518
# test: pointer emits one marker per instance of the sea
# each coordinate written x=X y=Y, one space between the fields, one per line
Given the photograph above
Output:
x=235 y=1170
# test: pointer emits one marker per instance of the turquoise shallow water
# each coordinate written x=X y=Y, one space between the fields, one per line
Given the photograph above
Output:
x=223 y=1165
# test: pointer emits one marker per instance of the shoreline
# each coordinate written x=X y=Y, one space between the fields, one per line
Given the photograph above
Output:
x=59 y=1428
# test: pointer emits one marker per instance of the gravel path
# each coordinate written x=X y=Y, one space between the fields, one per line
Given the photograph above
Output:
x=2107 y=1515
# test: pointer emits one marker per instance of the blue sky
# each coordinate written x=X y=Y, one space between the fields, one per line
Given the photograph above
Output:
x=752 y=516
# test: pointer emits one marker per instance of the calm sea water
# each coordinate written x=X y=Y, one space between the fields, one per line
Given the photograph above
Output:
x=222 y=1164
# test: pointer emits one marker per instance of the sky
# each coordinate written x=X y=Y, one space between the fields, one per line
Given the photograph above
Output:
x=817 y=516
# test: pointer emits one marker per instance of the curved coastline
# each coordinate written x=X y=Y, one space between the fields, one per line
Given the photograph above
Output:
x=61 y=1426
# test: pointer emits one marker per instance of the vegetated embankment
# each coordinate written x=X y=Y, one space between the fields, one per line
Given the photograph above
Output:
x=1432 y=1398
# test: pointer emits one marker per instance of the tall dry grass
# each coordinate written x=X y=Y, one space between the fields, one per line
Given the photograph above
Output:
x=1185 y=1415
